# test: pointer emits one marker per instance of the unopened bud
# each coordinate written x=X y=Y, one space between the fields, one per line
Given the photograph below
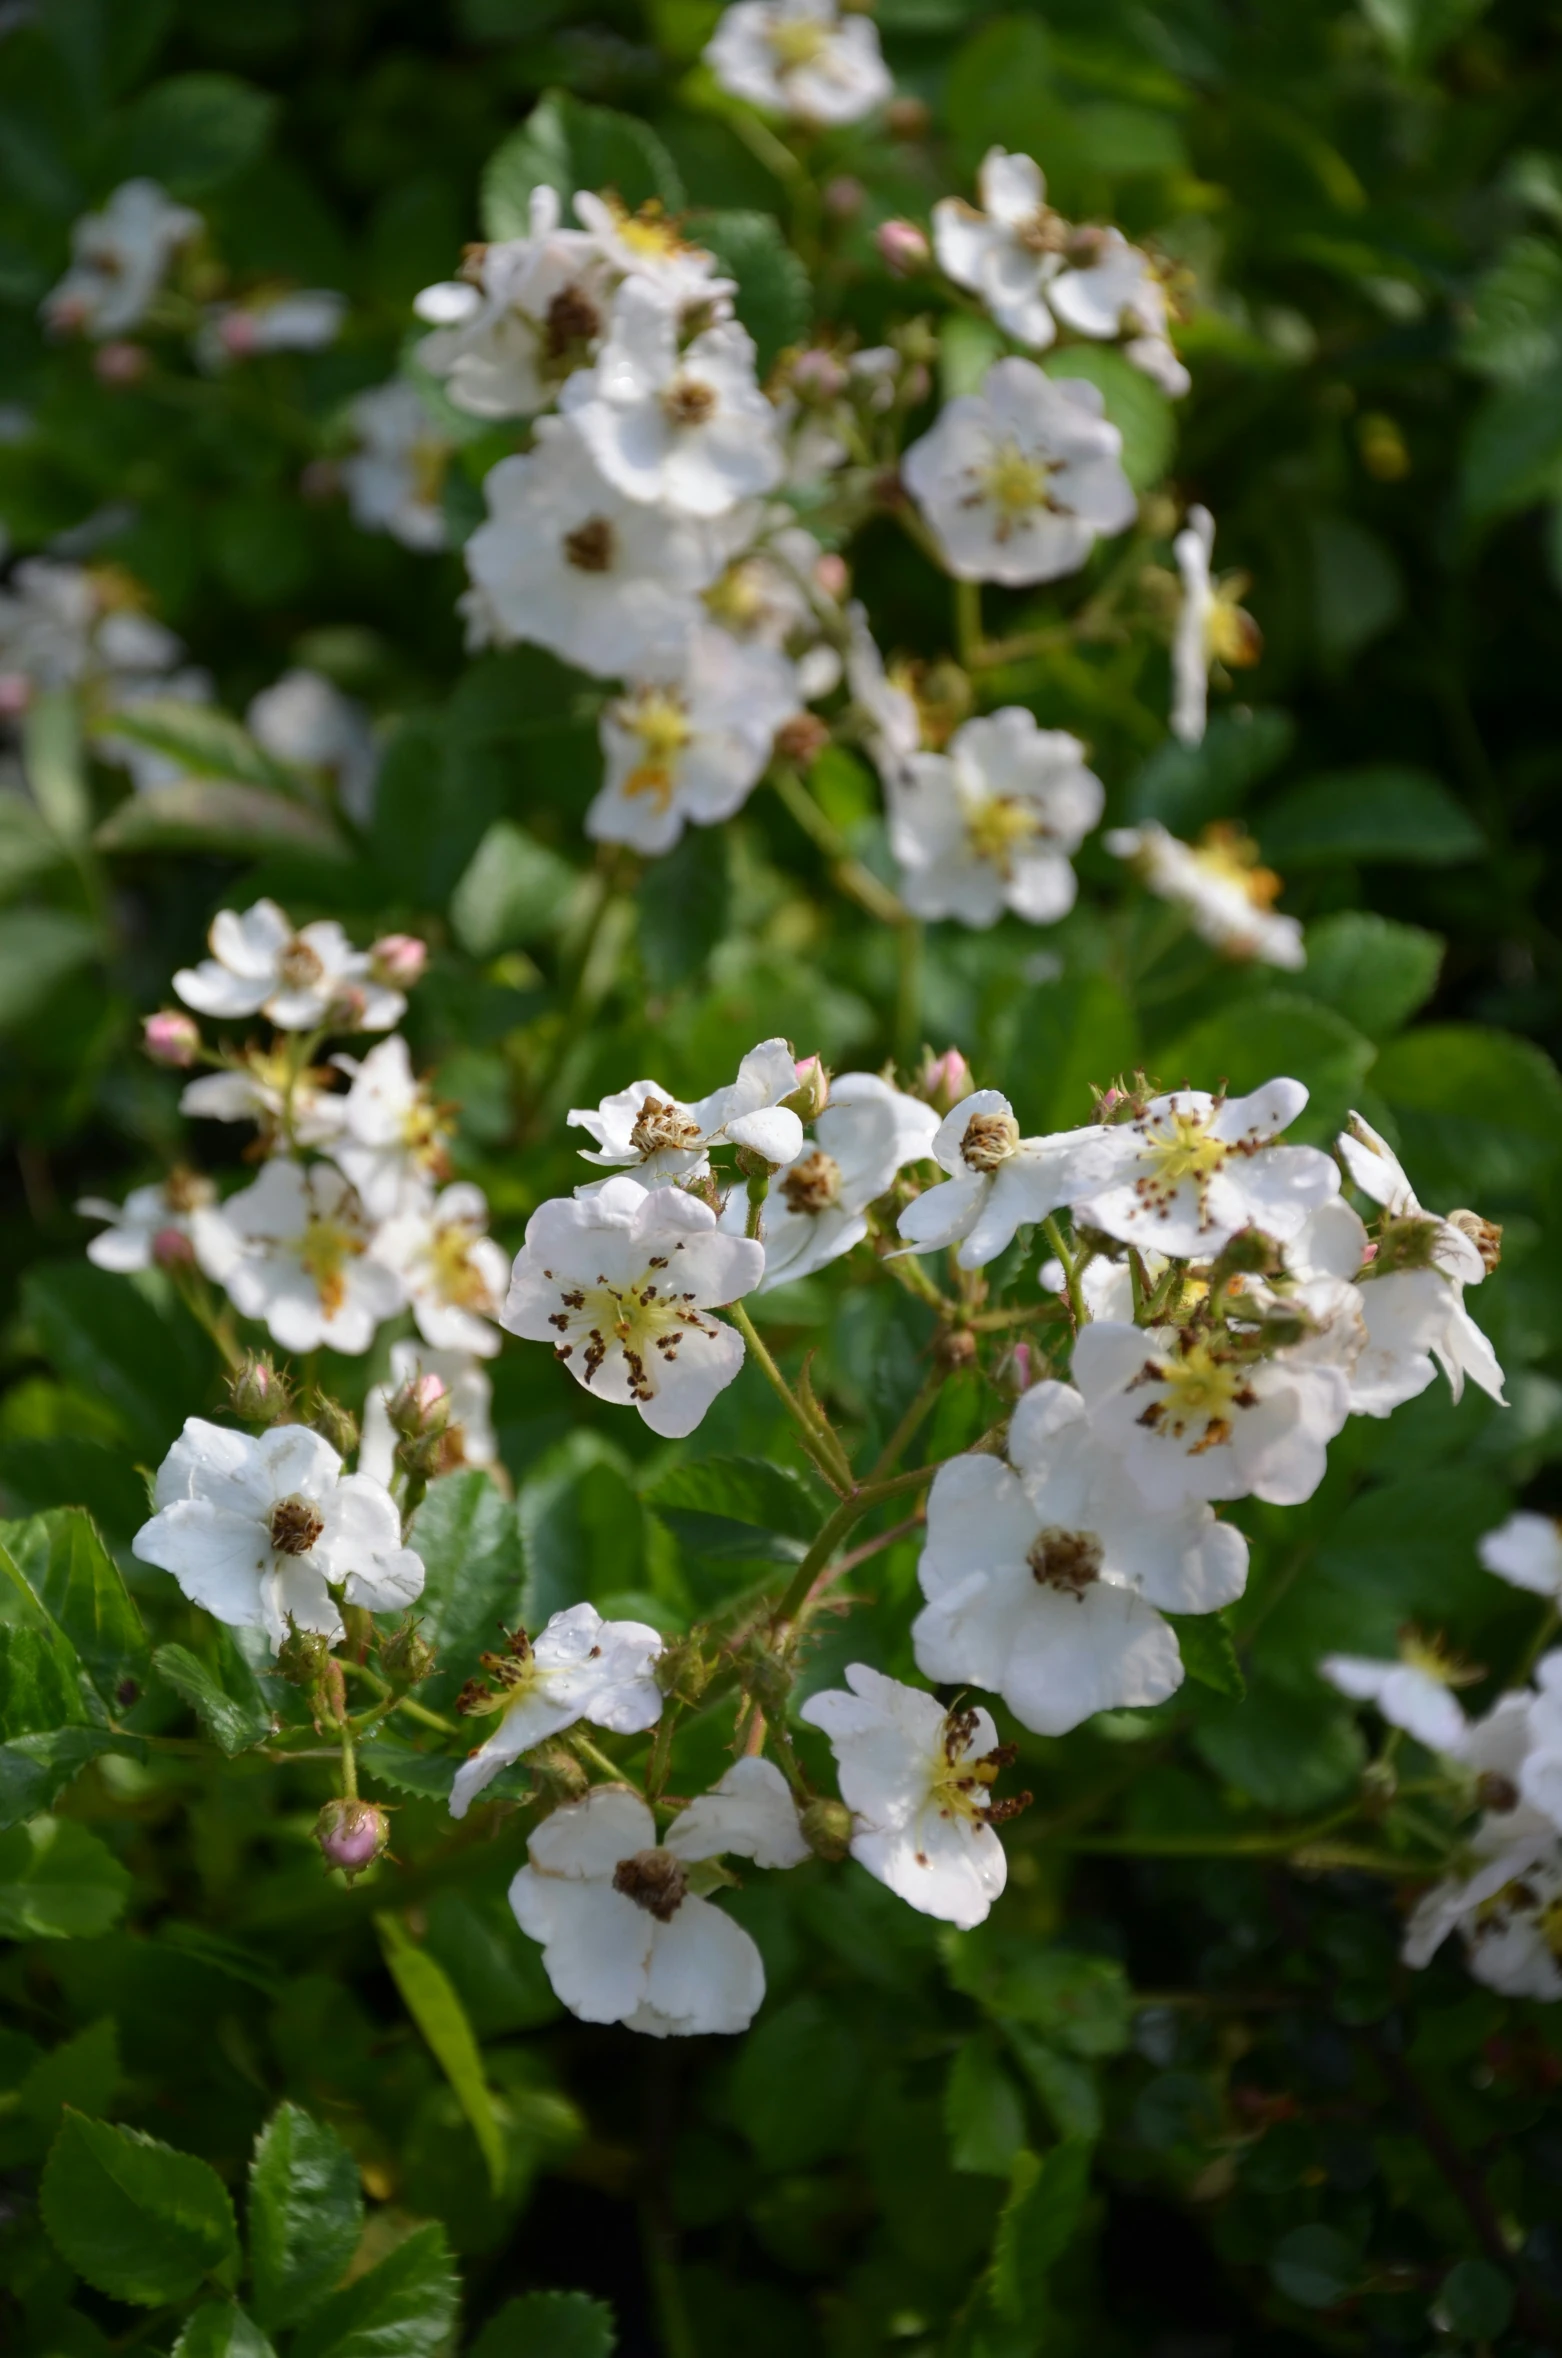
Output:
x=1250 y=1253
x=833 y=574
x=1283 y=1329
x=172 y=1249
x=332 y=1422
x=816 y=375
x=302 y=1655
x=398 y=960
x=561 y=1774
x=943 y=1080
x=171 y=1039
x=812 y=1093
x=802 y=739
x=827 y=1828
x=352 y=1835
x=843 y=196
x=16 y=693
x=406 y=1655
x=419 y=1407
x=955 y=1348
x=681 y=1669
x=907 y=118
x=902 y=247
x=1485 y=1235
x=754 y=1165
x=258 y=1391
x=1013 y=1373
x=349 y=1005
x=120 y=364
x=1496 y=1793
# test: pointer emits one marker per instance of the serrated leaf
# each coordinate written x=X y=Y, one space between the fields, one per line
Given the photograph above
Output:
x=124 y=1341
x=82 y=2072
x=428 y=1775
x=43 y=1687
x=798 y=2085
x=430 y=1998
x=983 y=2111
x=1370 y=969
x=466 y=1534
x=1081 y=2002
x=235 y=1722
x=305 y=2215
x=35 y=1769
x=1479 y=1113
x=221 y=2329
x=1204 y=1642
x=1251 y=1040
x=548 y=2325
x=775 y=299
x=1386 y=813
x=747 y=1490
x=1046 y=2200
x=136 y=2219
x=565 y=145
x=403 y=2308
x=81 y=1588
x=58 y=1882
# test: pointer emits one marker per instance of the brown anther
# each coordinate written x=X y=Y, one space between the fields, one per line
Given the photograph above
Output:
x=590 y=547
x=1485 y=1235
x=661 y=1127
x=655 y=1880
x=572 y=319
x=1069 y=1561
x=688 y=402
x=1496 y=1792
x=989 y=1140
x=296 y=1523
x=813 y=1184
x=299 y=967
x=802 y=739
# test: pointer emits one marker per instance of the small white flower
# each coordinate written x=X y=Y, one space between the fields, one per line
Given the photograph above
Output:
x=389 y=1139
x=648 y=244
x=659 y=1139
x=67 y=626
x=624 y=1937
x=454 y=1273
x=261 y=1531
x=1380 y=1329
x=817 y=1207
x=534 y=310
x=1043 y=1584
x=1526 y=1551
x=1509 y=1916
x=295 y=1254
x=998 y=1181
x=1460 y=1348
x=684 y=429
x=119 y=258
x=1212 y=628
x=258 y=1091
x=1411 y=1693
x=622 y=1282
x=770 y=594
x=689 y=739
x=800 y=58
x=305 y=720
x=168 y=1221
x=299 y=319
x=990 y=824
x=1228 y=896
x=467 y=1437
x=302 y=980
x=395 y=480
x=580 y=1667
x=568 y=561
x=1010 y=251
x=919 y=1783
x=1111 y=289
x=1193 y=1169
x=1017 y=481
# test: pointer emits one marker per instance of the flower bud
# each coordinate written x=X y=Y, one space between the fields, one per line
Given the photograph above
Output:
x=802 y=739
x=843 y=196
x=352 y=1835
x=172 y=1249
x=258 y=1391
x=812 y=1093
x=902 y=247
x=833 y=574
x=171 y=1039
x=16 y=693
x=943 y=1080
x=120 y=364
x=1014 y=1370
x=332 y=1422
x=349 y=1006
x=827 y=1828
x=1250 y=1253
x=561 y=1774
x=1496 y=1792
x=398 y=960
x=817 y=375
x=907 y=118
x=955 y=1347
x=406 y=1655
x=421 y=1406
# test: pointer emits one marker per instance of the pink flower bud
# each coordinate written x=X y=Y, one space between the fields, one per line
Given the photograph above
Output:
x=943 y=1080
x=16 y=693
x=902 y=247
x=172 y=1249
x=833 y=575
x=349 y=1005
x=236 y=333
x=843 y=196
x=812 y=1093
x=419 y=1407
x=352 y=1835
x=120 y=364
x=399 y=960
x=1019 y=1359
x=171 y=1039
x=817 y=375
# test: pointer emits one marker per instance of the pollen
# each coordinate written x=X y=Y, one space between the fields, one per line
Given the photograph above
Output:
x=324 y=1251
x=989 y=1140
x=660 y=723
x=1015 y=484
x=998 y=826
x=296 y=1524
x=813 y=1184
x=796 y=45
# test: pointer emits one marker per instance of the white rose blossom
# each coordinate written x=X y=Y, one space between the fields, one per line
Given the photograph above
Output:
x=990 y=824
x=1192 y=1170
x=1016 y=482
x=1508 y=1914
x=1411 y=1692
x=261 y=1530
x=658 y=1139
x=66 y=626
x=1227 y=894
x=626 y=1934
x=648 y=244
x=1046 y=1584
x=467 y=1436
x=170 y=1220
x=894 y=728
x=918 y=1781
x=578 y=1667
x=1526 y=1551
x=998 y=1181
x=1112 y=289
x=390 y=1138
x=1010 y=251
x=294 y=1251
x=800 y=58
x=119 y=259
x=454 y=1274
x=303 y=978
x=1380 y=1332
x=395 y=479
x=298 y=319
x=817 y=1208
x=689 y=739
x=622 y=1283
x=533 y=310
x=304 y=720
x=1454 y=1249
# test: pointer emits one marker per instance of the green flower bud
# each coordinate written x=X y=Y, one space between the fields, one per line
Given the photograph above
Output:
x=827 y=1828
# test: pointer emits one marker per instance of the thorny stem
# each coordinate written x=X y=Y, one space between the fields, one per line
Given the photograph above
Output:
x=834 y=1528
x=826 y=1453
x=1054 y=1236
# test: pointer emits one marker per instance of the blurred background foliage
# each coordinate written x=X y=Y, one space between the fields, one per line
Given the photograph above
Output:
x=1299 y=2145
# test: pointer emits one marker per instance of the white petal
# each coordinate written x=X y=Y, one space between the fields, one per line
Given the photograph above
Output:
x=595 y=1943
x=749 y=1811
x=705 y=1972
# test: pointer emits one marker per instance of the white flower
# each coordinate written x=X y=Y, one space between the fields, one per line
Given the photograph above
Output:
x=1009 y=252
x=647 y=244
x=258 y=1091
x=770 y=594
x=305 y=720
x=990 y=824
x=534 y=309
x=154 y=1225
x=453 y=1271
x=689 y=739
x=1453 y=1247
x=295 y=1253
x=1194 y=1417
x=566 y=560
x=687 y=430
x=299 y=319
x=800 y=58
x=1227 y=895
x=998 y=1181
x=1526 y=1551
x=1540 y=1771
x=660 y=1139
x=748 y=1814
x=1112 y=289
x=621 y=1283
x=1380 y=1331
x=919 y=1783
x=1017 y=481
x=580 y=1667
x=1509 y=1915
x=1411 y=1693
x=66 y=626
x=389 y=1138
x=624 y=1936
x=261 y=1531
x=1212 y=628
x=817 y=1207
x=119 y=258
x=302 y=980
x=1043 y=1584
x=467 y=1435
x=1193 y=1169
x=395 y=480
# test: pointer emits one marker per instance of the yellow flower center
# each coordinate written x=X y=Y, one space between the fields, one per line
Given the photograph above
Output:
x=457 y=1279
x=997 y=826
x=1201 y=1387
x=647 y=1319
x=662 y=726
x=324 y=1250
x=796 y=45
x=649 y=231
x=1231 y=636
x=1181 y=1148
x=1015 y=483
x=1227 y=853
x=738 y=598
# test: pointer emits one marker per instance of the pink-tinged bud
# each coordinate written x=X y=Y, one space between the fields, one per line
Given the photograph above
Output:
x=833 y=575
x=812 y=1093
x=237 y=335
x=902 y=247
x=1018 y=1367
x=843 y=196
x=917 y=385
x=258 y=1391
x=120 y=364
x=320 y=480
x=817 y=375
x=349 y=1006
x=16 y=693
x=1369 y=1252
x=171 y=1039
x=419 y=1407
x=352 y=1835
x=943 y=1081
x=399 y=960
x=172 y=1249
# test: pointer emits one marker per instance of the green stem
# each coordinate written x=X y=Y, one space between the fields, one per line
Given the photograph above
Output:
x=968 y=623
x=834 y=1529
x=900 y=1440
x=1544 y=1633
x=1139 y=1284
x=581 y=1743
x=908 y=994
x=349 y=1763
x=848 y=871
x=1076 y=1300
x=426 y=1718
x=825 y=1450
x=659 y=1766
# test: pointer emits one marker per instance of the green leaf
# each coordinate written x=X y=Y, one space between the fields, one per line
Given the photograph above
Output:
x=52 y=759
x=515 y=891
x=126 y=1342
x=429 y=1775
x=1066 y=2085
x=401 y=2309
x=194 y=814
x=1251 y=1040
x=1052 y=1040
x=1204 y=1642
x=1137 y=408
x=1370 y=969
x=195 y=131
x=58 y=1882
x=235 y=1722
x=1479 y=1113
x=82 y=1589
x=1513 y=452
x=548 y=2325
x=1186 y=786
x=206 y=742
x=1036 y=2225
x=1283 y=1751
x=1313 y=2266
x=38 y=949
x=35 y=1769
x=717 y=1504
x=27 y=848
x=566 y=145
x=136 y=2219
x=466 y=1534
x=1512 y=326
x=1080 y=2001
x=43 y=1686
x=1384 y=813
x=798 y=2085
x=774 y=300
x=983 y=2111
x=1476 y=2301
x=221 y=2329
x=305 y=2215
x=82 y=2072
x=1358 y=591
x=430 y=1998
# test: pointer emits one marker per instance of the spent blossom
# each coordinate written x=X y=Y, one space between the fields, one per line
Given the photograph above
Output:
x=578 y=1667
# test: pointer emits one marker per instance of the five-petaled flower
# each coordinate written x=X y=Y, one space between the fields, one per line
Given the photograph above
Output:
x=305 y=979
x=579 y=1667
